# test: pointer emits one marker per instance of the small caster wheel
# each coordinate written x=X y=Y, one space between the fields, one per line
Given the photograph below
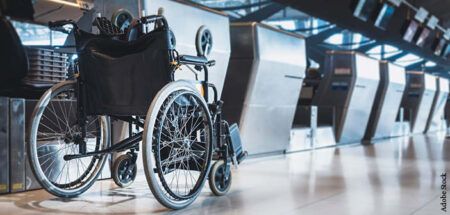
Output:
x=219 y=181
x=124 y=170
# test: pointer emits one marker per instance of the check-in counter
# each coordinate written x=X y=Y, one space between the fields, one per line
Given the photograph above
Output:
x=418 y=99
x=436 y=120
x=349 y=87
x=447 y=111
x=307 y=133
x=262 y=87
x=387 y=103
x=197 y=28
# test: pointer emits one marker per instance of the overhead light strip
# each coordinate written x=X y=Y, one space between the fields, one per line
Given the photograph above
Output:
x=72 y=4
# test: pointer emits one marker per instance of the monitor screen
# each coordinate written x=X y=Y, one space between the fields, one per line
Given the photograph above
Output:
x=364 y=9
x=423 y=37
x=439 y=46
x=384 y=16
x=411 y=30
x=447 y=51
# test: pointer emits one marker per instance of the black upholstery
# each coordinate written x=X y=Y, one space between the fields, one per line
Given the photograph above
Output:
x=13 y=58
x=122 y=78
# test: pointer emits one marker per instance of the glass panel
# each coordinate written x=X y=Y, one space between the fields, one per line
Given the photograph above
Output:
x=430 y=64
x=34 y=35
x=335 y=39
x=408 y=60
x=388 y=51
x=284 y=24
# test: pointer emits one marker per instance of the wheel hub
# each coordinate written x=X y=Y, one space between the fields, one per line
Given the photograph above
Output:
x=186 y=143
x=76 y=138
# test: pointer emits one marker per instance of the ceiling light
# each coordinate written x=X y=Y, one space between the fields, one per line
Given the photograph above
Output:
x=430 y=64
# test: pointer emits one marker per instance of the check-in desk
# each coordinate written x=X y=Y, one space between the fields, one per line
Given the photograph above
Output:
x=349 y=87
x=436 y=120
x=387 y=102
x=447 y=112
x=418 y=99
x=263 y=83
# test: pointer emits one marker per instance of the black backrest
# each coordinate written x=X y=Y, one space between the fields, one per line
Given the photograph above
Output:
x=122 y=78
x=13 y=58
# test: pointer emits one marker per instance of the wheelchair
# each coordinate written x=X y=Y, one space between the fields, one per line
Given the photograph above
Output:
x=181 y=132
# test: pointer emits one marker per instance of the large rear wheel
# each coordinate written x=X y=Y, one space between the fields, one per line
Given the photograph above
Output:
x=54 y=132
x=177 y=143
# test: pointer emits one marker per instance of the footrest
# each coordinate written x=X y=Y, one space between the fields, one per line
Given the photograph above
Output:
x=241 y=157
x=236 y=143
x=194 y=60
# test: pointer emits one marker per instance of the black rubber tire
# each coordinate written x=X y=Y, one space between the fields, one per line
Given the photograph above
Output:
x=117 y=167
x=204 y=41
x=214 y=176
x=153 y=179
x=97 y=165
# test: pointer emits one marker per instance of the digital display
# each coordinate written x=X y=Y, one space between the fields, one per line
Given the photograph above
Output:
x=447 y=51
x=385 y=16
x=342 y=71
x=411 y=30
x=439 y=46
x=423 y=37
x=339 y=86
x=364 y=9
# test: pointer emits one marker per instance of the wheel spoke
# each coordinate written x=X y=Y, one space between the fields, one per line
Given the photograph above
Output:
x=57 y=135
x=183 y=145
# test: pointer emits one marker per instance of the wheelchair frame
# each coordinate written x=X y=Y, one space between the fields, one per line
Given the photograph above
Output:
x=220 y=146
x=132 y=142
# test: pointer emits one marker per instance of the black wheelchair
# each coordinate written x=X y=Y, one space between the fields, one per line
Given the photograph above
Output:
x=133 y=81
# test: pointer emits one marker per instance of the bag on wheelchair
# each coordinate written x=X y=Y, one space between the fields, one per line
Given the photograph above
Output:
x=122 y=78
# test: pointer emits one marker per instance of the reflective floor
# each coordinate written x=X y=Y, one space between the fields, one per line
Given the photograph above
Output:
x=397 y=176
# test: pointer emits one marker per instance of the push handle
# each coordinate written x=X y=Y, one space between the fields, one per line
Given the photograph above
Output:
x=154 y=18
x=211 y=63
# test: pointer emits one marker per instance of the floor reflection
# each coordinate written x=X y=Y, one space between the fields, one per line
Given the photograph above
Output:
x=396 y=176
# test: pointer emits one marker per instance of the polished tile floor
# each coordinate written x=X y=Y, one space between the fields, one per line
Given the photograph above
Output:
x=397 y=176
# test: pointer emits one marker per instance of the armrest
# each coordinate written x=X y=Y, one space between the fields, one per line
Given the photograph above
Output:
x=193 y=60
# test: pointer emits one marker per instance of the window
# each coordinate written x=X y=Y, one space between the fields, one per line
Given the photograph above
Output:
x=408 y=60
x=389 y=51
x=34 y=35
